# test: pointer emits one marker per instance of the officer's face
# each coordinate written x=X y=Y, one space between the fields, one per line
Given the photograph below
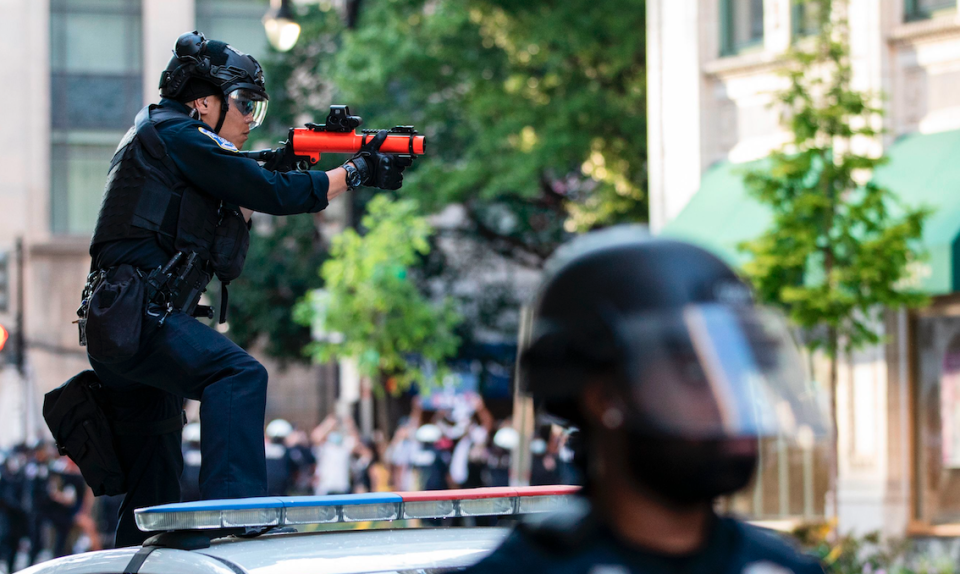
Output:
x=236 y=127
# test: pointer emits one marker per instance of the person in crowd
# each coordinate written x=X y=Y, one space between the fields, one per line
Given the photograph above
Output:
x=66 y=492
x=13 y=514
x=303 y=461
x=279 y=463
x=37 y=500
x=335 y=440
x=192 y=457
x=400 y=454
x=544 y=462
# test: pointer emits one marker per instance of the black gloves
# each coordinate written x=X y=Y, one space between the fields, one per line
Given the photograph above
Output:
x=380 y=170
x=283 y=159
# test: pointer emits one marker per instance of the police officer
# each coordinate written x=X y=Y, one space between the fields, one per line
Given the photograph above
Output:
x=655 y=350
x=279 y=462
x=176 y=212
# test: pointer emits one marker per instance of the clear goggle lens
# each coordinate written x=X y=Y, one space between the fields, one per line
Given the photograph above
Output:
x=251 y=105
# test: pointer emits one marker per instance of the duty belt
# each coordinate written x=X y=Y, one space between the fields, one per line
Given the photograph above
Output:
x=177 y=287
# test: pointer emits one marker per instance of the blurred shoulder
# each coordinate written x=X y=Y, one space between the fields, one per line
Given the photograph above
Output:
x=768 y=552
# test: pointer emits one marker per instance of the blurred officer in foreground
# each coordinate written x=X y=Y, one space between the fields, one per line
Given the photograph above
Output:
x=175 y=213
x=656 y=351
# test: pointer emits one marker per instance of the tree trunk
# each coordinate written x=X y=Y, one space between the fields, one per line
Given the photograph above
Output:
x=832 y=510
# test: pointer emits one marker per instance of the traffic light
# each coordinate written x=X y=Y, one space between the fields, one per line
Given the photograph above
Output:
x=4 y=335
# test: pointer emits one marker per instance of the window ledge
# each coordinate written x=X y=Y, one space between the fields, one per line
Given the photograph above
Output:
x=744 y=64
x=925 y=530
x=947 y=26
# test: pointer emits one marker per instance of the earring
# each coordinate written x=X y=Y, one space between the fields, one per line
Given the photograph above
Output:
x=612 y=418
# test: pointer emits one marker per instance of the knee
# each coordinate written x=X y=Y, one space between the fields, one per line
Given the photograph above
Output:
x=256 y=372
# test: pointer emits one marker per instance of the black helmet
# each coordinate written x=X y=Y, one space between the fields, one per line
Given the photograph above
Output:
x=202 y=67
x=676 y=327
x=218 y=63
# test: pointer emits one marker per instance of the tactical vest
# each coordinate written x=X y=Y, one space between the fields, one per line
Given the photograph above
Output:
x=146 y=195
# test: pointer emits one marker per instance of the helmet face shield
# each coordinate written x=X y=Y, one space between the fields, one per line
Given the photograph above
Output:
x=251 y=104
x=713 y=371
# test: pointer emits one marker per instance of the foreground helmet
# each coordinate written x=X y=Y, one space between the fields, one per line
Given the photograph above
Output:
x=202 y=67
x=697 y=359
x=698 y=372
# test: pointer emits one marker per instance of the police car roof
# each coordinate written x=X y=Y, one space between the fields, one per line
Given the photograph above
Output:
x=190 y=545
x=347 y=552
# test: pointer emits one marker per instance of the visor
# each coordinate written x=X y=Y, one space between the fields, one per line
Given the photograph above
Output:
x=252 y=105
x=714 y=371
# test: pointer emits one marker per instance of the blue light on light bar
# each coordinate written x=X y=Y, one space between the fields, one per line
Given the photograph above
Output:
x=281 y=511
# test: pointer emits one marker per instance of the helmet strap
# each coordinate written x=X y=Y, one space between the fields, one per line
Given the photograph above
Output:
x=223 y=114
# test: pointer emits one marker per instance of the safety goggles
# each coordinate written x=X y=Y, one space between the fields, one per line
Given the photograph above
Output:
x=251 y=104
x=717 y=371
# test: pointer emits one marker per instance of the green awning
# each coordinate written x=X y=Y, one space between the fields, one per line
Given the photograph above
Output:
x=924 y=170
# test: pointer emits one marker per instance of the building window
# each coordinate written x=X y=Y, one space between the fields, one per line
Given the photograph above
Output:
x=236 y=22
x=806 y=19
x=937 y=419
x=96 y=90
x=741 y=25
x=923 y=9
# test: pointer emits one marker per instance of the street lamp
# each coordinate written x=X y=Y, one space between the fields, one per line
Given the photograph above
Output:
x=282 y=30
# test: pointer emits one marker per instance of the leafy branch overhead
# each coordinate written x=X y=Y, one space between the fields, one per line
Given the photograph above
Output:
x=533 y=108
x=372 y=303
x=841 y=248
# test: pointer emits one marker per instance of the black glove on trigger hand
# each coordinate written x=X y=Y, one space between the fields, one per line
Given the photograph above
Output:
x=380 y=170
x=283 y=159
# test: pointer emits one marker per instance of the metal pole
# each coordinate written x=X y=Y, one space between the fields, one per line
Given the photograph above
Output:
x=19 y=339
x=19 y=344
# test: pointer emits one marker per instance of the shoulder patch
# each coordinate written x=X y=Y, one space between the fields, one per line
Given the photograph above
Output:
x=224 y=144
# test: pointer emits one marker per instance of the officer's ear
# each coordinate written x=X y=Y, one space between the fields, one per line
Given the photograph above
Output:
x=601 y=404
x=203 y=105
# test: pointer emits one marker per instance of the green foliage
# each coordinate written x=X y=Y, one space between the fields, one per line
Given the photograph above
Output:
x=868 y=554
x=839 y=250
x=533 y=108
x=374 y=303
x=281 y=268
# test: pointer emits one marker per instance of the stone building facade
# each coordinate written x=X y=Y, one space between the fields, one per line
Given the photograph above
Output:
x=713 y=73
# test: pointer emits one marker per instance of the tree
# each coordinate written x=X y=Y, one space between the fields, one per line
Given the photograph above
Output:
x=281 y=268
x=372 y=301
x=536 y=111
x=840 y=247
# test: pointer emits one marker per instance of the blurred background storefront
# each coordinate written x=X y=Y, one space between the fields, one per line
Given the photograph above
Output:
x=713 y=70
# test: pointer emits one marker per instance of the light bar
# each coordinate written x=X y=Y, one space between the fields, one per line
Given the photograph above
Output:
x=298 y=510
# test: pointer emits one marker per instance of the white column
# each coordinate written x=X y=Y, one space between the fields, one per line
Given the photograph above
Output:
x=163 y=22
x=777 y=25
x=673 y=83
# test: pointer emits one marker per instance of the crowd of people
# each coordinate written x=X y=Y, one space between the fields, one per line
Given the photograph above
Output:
x=429 y=450
x=46 y=509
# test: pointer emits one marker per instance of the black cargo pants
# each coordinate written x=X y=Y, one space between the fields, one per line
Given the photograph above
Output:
x=187 y=359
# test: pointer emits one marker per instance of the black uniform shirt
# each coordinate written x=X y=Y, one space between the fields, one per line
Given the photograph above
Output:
x=578 y=546
x=213 y=165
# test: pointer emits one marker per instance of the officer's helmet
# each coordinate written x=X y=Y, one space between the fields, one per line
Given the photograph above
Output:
x=677 y=327
x=202 y=67
x=191 y=433
x=279 y=429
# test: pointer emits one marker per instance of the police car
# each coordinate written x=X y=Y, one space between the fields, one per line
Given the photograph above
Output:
x=281 y=535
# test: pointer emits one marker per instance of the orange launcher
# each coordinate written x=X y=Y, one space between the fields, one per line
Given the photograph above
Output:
x=310 y=143
x=304 y=146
